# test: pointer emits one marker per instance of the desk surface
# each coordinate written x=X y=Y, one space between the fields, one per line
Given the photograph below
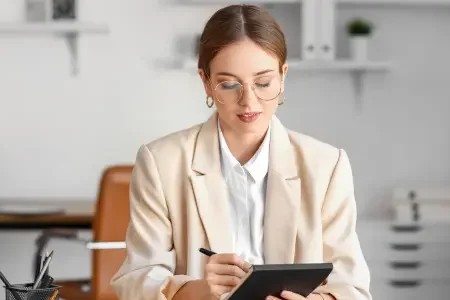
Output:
x=77 y=214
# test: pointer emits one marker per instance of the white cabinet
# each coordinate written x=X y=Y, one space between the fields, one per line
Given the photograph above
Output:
x=407 y=261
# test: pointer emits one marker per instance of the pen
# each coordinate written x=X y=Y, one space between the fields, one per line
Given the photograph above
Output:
x=207 y=252
x=46 y=257
x=42 y=273
x=6 y=282
x=38 y=266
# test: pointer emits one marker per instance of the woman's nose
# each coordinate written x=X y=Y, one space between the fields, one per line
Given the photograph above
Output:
x=248 y=95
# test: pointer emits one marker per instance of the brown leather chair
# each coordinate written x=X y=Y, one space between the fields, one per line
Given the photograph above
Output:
x=110 y=225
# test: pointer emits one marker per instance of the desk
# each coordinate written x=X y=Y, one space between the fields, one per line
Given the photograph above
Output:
x=78 y=214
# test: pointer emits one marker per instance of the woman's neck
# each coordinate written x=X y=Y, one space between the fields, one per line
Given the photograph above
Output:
x=242 y=145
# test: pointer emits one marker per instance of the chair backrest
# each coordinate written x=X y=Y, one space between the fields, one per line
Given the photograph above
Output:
x=110 y=225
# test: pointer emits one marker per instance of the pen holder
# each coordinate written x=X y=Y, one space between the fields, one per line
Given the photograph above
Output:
x=26 y=292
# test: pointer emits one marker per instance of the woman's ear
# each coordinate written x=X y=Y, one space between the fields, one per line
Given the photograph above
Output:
x=283 y=76
x=206 y=83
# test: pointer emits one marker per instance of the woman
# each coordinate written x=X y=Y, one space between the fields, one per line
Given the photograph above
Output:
x=239 y=184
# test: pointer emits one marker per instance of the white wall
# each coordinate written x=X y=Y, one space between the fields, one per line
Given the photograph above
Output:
x=401 y=136
x=58 y=132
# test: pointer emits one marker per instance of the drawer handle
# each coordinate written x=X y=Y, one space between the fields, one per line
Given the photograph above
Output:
x=406 y=228
x=406 y=247
x=405 y=264
x=405 y=283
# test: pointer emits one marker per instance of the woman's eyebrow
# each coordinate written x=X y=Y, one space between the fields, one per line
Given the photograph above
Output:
x=254 y=74
x=225 y=74
x=263 y=72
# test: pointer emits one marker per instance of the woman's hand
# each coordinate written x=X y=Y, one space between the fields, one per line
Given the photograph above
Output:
x=224 y=272
x=286 y=295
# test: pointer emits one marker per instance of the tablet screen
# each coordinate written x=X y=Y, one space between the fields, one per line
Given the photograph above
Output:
x=265 y=280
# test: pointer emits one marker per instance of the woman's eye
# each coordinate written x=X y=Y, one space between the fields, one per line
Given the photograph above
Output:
x=228 y=86
x=262 y=84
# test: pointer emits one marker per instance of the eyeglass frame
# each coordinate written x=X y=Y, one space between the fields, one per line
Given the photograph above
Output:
x=252 y=88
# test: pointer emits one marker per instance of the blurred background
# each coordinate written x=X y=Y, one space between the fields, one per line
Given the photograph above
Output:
x=84 y=83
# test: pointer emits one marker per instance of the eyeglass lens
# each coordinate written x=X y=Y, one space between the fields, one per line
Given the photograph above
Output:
x=265 y=88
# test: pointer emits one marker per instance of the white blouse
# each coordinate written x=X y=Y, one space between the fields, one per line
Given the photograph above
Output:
x=247 y=193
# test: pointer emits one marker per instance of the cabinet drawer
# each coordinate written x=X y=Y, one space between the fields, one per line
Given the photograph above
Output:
x=414 y=270
x=385 y=291
x=379 y=232
x=407 y=251
x=437 y=252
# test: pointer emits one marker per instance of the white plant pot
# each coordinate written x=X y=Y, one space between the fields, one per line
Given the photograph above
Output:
x=359 y=47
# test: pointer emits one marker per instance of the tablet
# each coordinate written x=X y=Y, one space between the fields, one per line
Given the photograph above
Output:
x=264 y=280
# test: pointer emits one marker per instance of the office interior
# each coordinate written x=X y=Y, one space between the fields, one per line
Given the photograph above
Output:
x=79 y=93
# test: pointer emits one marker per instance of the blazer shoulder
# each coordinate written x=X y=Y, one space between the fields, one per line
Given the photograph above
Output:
x=174 y=142
x=313 y=150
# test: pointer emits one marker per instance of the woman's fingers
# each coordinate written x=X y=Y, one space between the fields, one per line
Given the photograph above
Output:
x=230 y=259
x=220 y=269
x=223 y=280
x=224 y=272
x=286 y=295
x=291 y=296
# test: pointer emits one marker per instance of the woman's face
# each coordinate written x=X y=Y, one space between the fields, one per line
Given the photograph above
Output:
x=245 y=84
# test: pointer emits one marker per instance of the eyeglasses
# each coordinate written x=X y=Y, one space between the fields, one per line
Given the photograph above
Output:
x=266 y=88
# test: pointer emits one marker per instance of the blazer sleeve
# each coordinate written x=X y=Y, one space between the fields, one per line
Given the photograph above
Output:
x=148 y=270
x=350 y=279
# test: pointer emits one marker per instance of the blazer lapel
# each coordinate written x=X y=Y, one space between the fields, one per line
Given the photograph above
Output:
x=210 y=189
x=283 y=199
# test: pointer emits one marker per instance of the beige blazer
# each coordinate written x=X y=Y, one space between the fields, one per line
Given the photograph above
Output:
x=179 y=204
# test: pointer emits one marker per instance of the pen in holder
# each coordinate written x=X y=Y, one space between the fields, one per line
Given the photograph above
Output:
x=26 y=292
x=40 y=289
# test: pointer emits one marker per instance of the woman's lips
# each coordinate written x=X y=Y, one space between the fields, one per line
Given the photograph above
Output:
x=249 y=117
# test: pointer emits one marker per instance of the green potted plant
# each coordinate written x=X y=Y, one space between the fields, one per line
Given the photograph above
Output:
x=359 y=31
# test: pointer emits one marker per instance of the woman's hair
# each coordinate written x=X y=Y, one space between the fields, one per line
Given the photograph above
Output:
x=235 y=23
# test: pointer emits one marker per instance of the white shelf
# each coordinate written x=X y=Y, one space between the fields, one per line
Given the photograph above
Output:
x=228 y=2
x=397 y=2
x=61 y=27
x=70 y=30
x=375 y=2
x=356 y=69
x=337 y=65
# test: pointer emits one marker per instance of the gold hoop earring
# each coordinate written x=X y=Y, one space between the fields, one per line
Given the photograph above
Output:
x=208 y=103
x=283 y=99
